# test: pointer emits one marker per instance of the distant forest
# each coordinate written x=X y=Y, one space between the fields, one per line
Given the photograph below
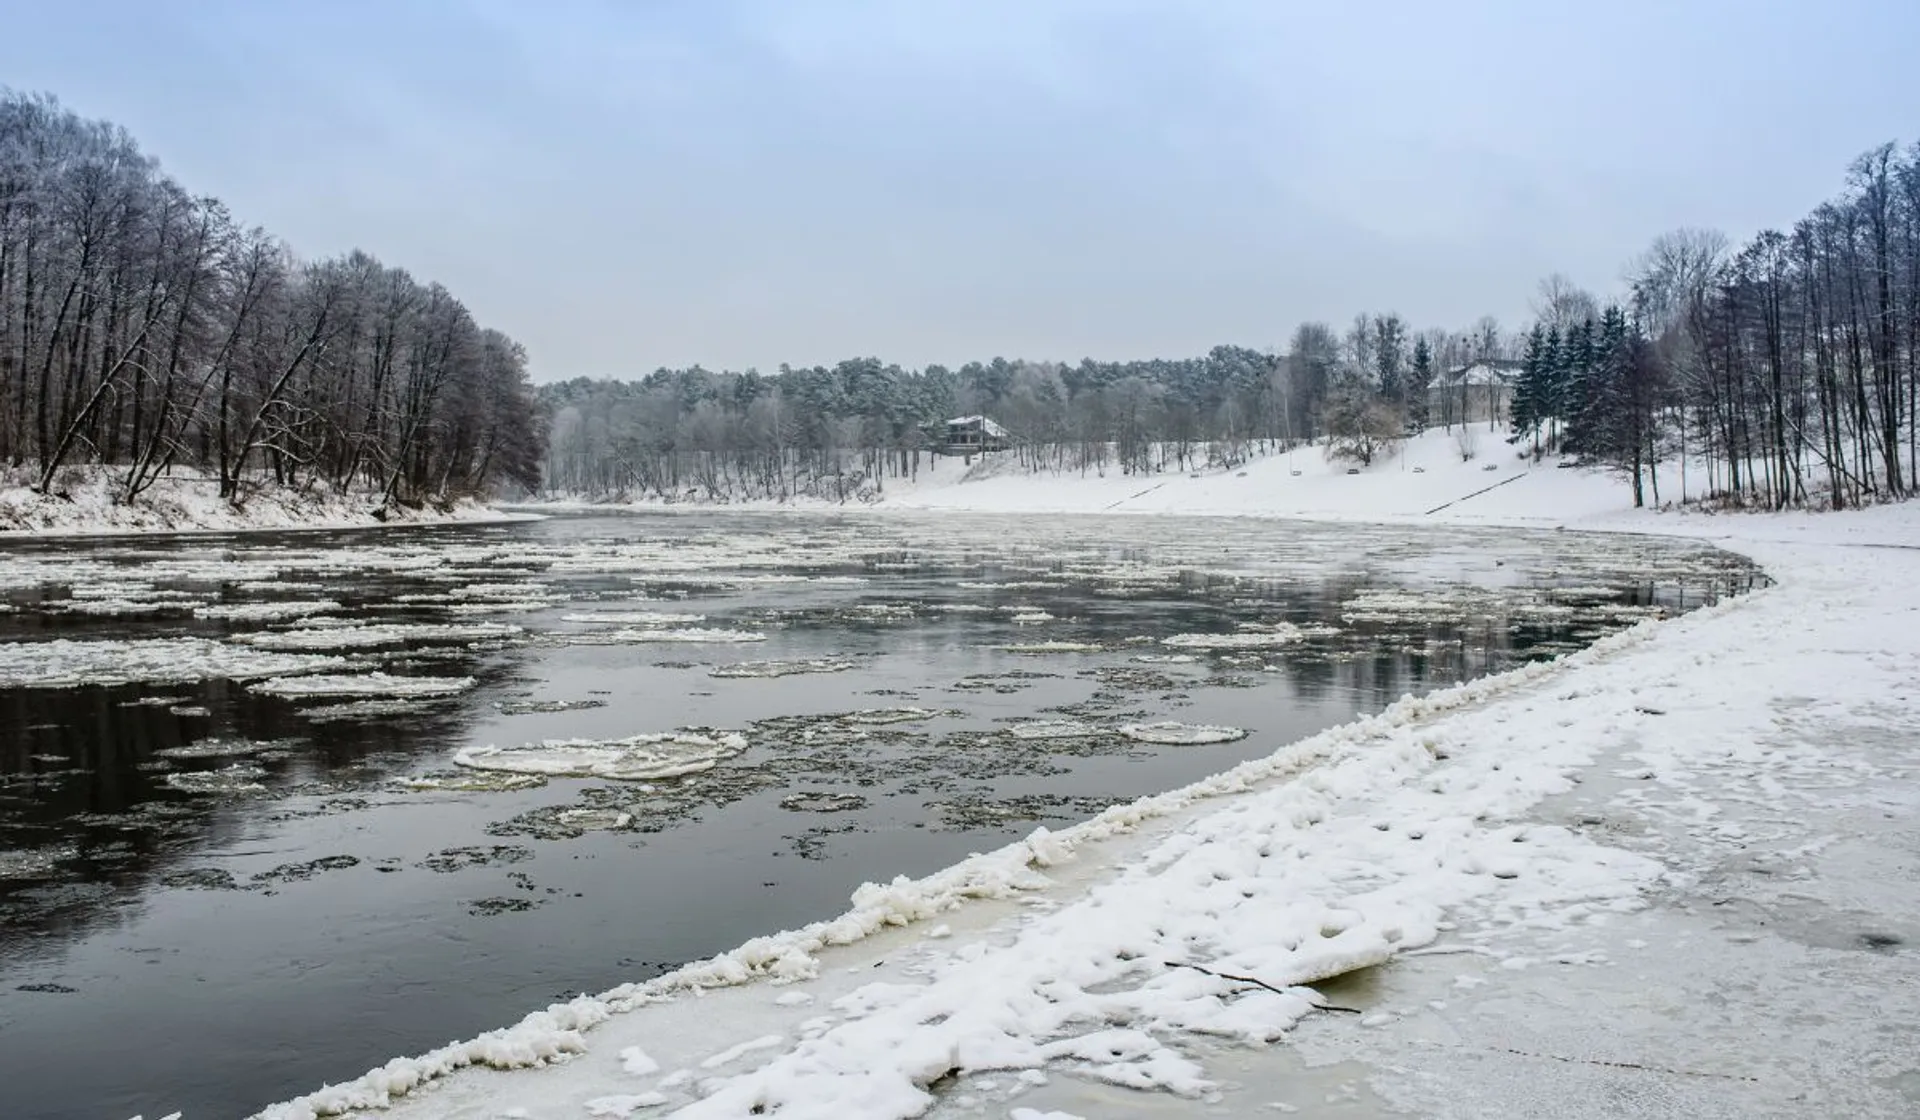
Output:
x=1785 y=372
x=145 y=330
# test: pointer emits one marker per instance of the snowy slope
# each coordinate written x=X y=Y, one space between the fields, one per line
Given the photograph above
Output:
x=86 y=505
x=1427 y=474
x=1055 y=971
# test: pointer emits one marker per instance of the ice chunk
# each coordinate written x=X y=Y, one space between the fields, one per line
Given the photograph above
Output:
x=364 y=709
x=265 y=612
x=367 y=684
x=1057 y=729
x=633 y=618
x=390 y=634
x=752 y=669
x=1053 y=647
x=63 y=663
x=624 y=1104
x=479 y=782
x=1283 y=634
x=218 y=748
x=1180 y=734
x=636 y=1061
x=690 y=635
x=635 y=758
x=241 y=777
x=887 y=715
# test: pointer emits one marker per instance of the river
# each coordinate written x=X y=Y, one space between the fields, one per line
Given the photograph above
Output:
x=277 y=807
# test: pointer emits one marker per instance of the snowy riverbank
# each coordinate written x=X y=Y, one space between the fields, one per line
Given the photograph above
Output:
x=1641 y=879
x=85 y=506
x=1439 y=476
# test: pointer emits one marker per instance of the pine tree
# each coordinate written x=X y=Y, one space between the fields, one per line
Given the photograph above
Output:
x=1531 y=391
x=1598 y=424
x=1553 y=383
x=1419 y=385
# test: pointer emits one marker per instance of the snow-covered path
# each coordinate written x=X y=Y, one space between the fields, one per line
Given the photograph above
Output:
x=1672 y=874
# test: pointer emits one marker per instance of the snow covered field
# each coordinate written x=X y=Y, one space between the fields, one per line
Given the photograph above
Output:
x=1669 y=875
x=85 y=505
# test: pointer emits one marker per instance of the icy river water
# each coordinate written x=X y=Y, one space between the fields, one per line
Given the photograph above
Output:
x=275 y=808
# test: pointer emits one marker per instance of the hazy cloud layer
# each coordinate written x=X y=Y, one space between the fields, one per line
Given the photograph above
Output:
x=628 y=185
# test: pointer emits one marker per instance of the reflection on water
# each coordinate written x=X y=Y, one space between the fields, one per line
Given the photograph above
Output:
x=239 y=853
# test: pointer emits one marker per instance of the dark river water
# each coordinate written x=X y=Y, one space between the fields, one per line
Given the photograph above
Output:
x=252 y=839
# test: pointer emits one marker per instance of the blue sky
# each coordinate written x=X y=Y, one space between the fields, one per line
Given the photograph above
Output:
x=743 y=182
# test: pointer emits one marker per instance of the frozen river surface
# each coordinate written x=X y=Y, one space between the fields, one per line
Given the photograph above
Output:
x=275 y=809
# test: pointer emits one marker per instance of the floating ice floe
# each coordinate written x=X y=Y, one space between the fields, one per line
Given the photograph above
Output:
x=387 y=634
x=689 y=635
x=254 y=586
x=530 y=707
x=1282 y=634
x=759 y=669
x=1394 y=605
x=1057 y=729
x=887 y=715
x=1053 y=647
x=502 y=606
x=35 y=863
x=218 y=748
x=1030 y=618
x=635 y=758
x=264 y=612
x=812 y=802
x=1170 y=733
x=1165 y=658
x=478 y=781
x=633 y=618
x=63 y=663
x=502 y=592
x=241 y=777
x=118 y=608
x=367 y=709
x=366 y=684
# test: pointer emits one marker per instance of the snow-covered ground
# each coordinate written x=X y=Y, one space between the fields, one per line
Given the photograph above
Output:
x=84 y=504
x=1429 y=478
x=1668 y=875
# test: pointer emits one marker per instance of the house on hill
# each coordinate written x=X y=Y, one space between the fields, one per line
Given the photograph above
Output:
x=968 y=435
x=1482 y=391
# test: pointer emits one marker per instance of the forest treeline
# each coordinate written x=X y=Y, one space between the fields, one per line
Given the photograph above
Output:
x=842 y=431
x=1782 y=372
x=145 y=330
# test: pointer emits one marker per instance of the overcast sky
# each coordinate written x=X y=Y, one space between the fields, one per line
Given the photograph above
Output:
x=626 y=185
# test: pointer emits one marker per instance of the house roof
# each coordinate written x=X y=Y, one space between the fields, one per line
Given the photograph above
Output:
x=1484 y=373
x=984 y=423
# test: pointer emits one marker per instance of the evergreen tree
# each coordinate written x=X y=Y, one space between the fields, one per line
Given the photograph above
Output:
x=1531 y=392
x=1419 y=385
x=1553 y=393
